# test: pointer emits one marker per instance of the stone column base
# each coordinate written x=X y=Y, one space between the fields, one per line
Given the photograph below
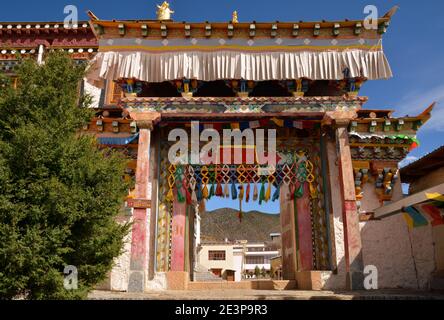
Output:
x=355 y=280
x=177 y=280
x=312 y=280
x=136 y=281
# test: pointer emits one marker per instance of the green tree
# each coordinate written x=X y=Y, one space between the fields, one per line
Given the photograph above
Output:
x=257 y=271
x=59 y=193
x=263 y=272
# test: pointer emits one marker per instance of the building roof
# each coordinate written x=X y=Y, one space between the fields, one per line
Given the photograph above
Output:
x=25 y=37
x=272 y=27
x=257 y=51
x=423 y=166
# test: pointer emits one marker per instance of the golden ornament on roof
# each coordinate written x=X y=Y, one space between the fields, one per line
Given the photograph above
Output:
x=234 y=18
x=164 y=12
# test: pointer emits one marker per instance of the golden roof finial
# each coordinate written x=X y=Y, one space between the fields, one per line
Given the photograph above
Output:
x=234 y=17
x=164 y=12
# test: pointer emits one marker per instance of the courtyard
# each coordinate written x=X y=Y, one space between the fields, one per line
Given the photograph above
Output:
x=267 y=295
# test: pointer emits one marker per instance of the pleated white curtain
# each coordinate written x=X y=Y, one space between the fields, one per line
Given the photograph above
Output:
x=208 y=66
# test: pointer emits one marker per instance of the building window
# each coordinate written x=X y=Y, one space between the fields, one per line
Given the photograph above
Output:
x=256 y=249
x=216 y=255
x=255 y=260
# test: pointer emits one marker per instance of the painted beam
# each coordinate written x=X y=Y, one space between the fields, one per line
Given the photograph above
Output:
x=396 y=207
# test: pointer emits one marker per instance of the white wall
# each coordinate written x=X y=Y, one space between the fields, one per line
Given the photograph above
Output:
x=389 y=245
x=237 y=265
x=228 y=263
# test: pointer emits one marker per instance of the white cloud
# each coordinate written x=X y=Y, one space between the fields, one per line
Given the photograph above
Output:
x=407 y=161
x=415 y=102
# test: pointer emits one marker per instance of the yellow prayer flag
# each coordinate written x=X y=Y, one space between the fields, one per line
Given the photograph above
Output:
x=408 y=220
x=435 y=196
x=278 y=122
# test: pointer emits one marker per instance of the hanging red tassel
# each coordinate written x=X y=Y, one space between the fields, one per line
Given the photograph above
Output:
x=187 y=192
x=219 y=191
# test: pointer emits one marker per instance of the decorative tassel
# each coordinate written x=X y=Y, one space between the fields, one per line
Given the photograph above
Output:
x=187 y=193
x=313 y=191
x=205 y=192
x=205 y=180
x=219 y=192
x=170 y=196
x=180 y=196
x=255 y=192
x=247 y=193
x=193 y=196
x=226 y=191
x=299 y=193
x=199 y=192
x=268 y=193
x=211 y=191
x=262 y=193
x=241 y=193
x=179 y=182
x=233 y=191
x=276 y=193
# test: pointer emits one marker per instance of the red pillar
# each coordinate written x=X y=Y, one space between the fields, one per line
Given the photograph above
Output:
x=352 y=233
x=140 y=228
x=289 y=255
x=178 y=236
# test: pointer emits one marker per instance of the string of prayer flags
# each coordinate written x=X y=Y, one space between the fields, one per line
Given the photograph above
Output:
x=414 y=218
x=278 y=122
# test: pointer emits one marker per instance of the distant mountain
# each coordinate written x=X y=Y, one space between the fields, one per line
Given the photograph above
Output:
x=224 y=223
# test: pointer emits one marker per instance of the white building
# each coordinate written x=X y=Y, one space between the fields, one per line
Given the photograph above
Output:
x=242 y=257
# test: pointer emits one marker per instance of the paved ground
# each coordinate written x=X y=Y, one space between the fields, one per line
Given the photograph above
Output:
x=266 y=295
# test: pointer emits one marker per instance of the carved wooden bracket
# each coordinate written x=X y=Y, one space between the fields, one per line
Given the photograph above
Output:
x=386 y=174
x=146 y=120
x=361 y=173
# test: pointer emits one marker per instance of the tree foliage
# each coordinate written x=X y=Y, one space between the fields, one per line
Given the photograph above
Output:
x=59 y=193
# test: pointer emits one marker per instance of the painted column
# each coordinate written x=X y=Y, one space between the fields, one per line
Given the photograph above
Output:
x=305 y=239
x=337 y=234
x=178 y=235
x=140 y=229
x=352 y=233
x=288 y=236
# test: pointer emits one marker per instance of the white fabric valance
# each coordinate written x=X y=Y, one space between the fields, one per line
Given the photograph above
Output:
x=257 y=66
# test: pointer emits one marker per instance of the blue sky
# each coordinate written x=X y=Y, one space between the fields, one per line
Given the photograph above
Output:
x=414 y=44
